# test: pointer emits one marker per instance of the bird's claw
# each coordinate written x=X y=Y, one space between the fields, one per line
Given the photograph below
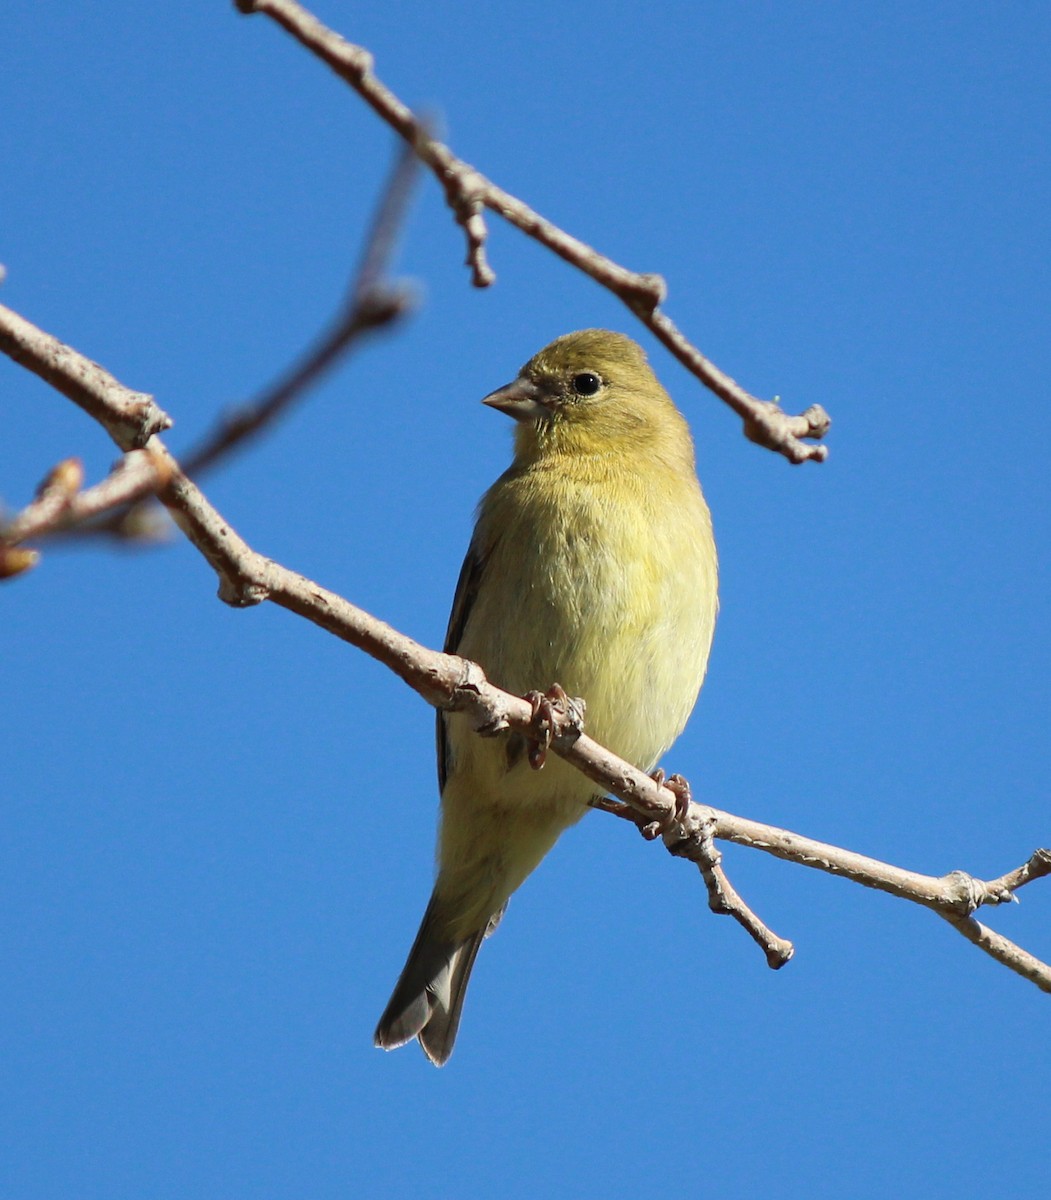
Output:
x=679 y=787
x=554 y=711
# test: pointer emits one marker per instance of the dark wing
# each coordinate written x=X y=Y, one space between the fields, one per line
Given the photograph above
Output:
x=463 y=601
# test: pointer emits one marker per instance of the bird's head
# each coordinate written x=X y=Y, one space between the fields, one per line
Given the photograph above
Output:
x=589 y=392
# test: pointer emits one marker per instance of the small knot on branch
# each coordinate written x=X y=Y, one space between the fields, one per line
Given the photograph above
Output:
x=813 y=423
x=144 y=419
x=696 y=840
x=54 y=496
x=1039 y=865
x=466 y=695
x=644 y=294
x=963 y=891
x=382 y=303
x=242 y=593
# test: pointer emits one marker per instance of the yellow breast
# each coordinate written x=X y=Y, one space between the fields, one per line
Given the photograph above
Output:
x=610 y=592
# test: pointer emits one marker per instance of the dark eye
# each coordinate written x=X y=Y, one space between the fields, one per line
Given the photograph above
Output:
x=586 y=384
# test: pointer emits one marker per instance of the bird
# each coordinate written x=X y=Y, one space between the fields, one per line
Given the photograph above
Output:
x=592 y=566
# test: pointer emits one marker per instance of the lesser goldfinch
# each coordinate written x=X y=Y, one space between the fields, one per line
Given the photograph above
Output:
x=592 y=565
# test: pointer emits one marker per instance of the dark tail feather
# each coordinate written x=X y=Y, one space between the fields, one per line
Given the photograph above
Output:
x=428 y=997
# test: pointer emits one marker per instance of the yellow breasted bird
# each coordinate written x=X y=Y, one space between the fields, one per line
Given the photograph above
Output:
x=592 y=565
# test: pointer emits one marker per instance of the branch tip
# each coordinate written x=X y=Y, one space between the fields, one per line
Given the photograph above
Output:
x=67 y=478
x=17 y=560
x=818 y=422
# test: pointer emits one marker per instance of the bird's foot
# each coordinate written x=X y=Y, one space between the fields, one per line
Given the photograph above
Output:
x=679 y=787
x=554 y=713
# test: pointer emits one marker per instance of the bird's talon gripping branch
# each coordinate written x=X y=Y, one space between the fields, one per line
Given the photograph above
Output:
x=680 y=789
x=554 y=712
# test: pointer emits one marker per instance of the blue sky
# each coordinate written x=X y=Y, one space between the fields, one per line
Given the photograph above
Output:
x=218 y=825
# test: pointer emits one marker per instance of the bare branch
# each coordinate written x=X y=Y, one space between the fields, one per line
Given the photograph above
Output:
x=468 y=192
x=60 y=503
x=1037 y=867
x=449 y=682
x=130 y=418
x=372 y=303
x=1004 y=951
x=723 y=897
x=53 y=497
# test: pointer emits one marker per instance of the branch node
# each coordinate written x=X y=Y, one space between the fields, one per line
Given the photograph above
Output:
x=146 y=418
x=644 y=294
x=965 y=894
x=242 y=593
x=817 y=422
x=382 y=303
x=488 y=719
x=698 y=846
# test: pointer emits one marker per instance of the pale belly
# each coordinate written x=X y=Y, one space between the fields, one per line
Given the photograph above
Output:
x=623 y=624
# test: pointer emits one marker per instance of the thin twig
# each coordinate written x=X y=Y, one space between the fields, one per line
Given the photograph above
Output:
x=372 y=303
x=468 y=192
x=1002 y=949
x=723 y=897
x=53 y=498
x=130 y=418
x=60 y=503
